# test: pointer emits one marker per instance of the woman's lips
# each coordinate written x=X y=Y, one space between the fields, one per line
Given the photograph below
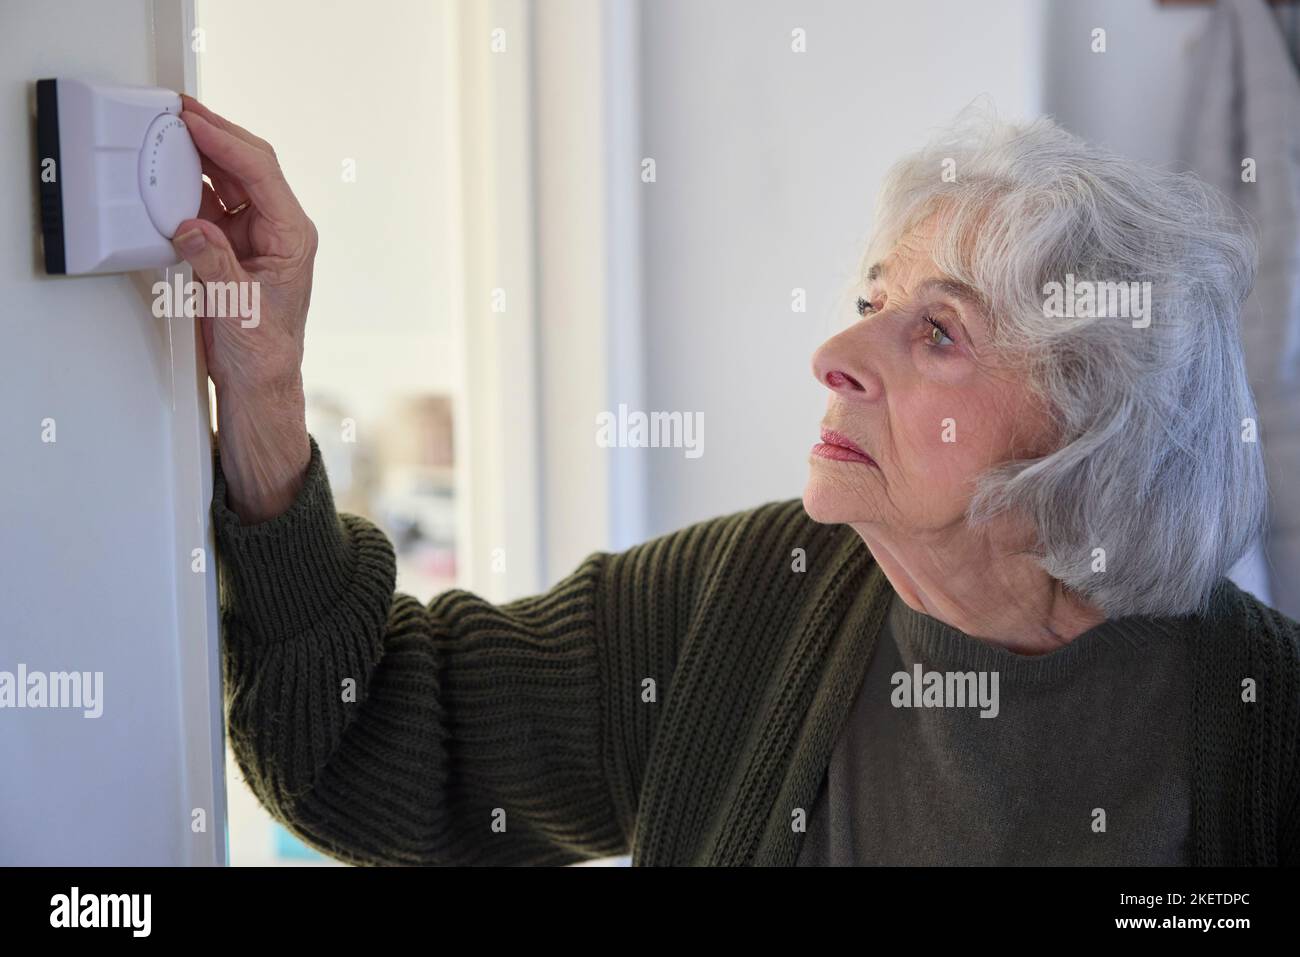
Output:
x=838 y=447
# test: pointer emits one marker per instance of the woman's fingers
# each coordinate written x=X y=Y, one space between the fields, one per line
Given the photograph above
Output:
x=252 y=168
x=205 y=247
x=189 y=103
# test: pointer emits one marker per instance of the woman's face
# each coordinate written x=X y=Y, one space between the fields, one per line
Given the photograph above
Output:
x=916 y=386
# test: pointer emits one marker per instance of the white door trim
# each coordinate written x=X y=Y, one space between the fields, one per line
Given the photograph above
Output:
x=497 y=427
x=202 y=711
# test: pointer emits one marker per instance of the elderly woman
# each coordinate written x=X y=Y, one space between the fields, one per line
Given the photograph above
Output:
x=995 y=630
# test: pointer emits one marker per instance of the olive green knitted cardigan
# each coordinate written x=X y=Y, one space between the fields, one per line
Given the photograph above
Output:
x=677 y=701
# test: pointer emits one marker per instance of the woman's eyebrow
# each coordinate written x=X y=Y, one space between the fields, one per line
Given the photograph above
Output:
x=956 y=290
x=950 y=287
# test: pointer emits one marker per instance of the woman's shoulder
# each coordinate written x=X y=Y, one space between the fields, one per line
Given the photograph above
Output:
x=1248 y=719
x=1244 y=627
x=1248 y=610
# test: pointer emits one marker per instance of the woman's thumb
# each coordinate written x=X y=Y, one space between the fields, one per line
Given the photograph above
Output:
x=205 y=247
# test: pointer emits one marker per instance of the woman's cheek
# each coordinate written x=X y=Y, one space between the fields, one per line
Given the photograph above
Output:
x=947 y=432
x=944 y=364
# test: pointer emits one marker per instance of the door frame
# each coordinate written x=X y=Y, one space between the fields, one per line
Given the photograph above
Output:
x=198 y=629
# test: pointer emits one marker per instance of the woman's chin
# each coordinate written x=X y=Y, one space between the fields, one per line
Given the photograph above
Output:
x=825 y=503
x=830 y=500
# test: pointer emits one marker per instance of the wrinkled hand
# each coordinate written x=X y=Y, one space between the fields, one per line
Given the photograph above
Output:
x=271 y=242
x=254 y=362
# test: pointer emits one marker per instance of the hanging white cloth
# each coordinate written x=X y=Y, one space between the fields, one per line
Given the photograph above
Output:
x=1244 y=105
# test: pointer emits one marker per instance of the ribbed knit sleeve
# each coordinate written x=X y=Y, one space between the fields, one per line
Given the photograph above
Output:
x=384 y=731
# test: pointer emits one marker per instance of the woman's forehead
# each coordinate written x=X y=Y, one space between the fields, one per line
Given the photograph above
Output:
x=916 y=276
x=906 y=256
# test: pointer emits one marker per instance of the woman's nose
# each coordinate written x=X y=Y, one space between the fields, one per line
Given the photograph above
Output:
x=836 y=379
x=836 y=367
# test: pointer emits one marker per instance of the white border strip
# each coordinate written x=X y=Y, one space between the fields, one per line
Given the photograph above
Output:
x=201 y=717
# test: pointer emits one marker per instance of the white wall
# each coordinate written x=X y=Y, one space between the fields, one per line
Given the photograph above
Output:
x=97 y=527
x=1129 y=98
x=768 y=162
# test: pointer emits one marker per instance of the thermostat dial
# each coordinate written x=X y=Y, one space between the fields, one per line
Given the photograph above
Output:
x=171 y=174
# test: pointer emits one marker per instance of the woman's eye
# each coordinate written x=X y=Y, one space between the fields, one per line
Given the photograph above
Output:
x=938 y=334
x=866 y=306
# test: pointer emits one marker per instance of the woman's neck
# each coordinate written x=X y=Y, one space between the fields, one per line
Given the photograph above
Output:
x=984 y=589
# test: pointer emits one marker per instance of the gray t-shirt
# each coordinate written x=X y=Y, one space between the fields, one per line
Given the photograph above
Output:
x=1084 y=758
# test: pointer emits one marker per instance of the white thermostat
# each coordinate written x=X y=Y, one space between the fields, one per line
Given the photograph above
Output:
x=117 y=174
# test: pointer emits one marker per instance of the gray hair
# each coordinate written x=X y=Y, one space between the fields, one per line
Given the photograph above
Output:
x=1153 y=461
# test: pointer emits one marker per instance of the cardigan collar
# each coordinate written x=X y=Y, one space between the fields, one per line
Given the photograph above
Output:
x=822 y=670
x=826 y=707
